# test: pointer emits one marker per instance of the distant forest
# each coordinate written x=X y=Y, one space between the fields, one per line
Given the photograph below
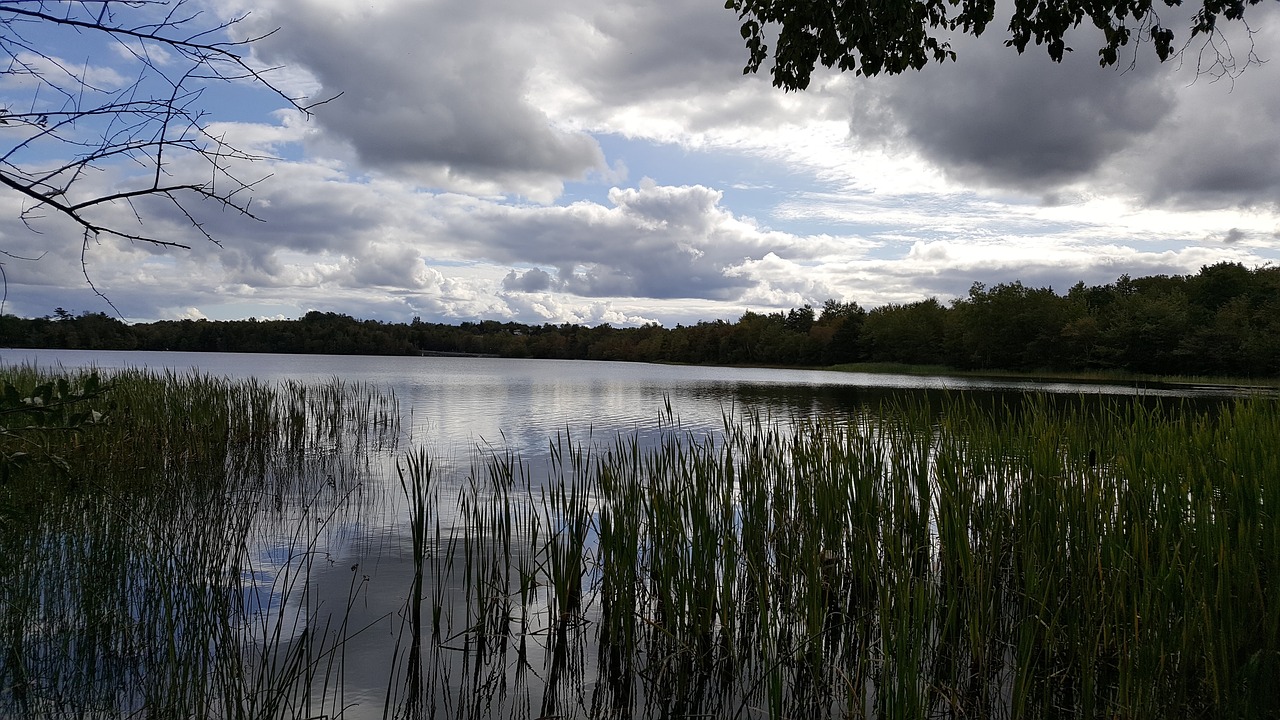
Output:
x=1223 y=321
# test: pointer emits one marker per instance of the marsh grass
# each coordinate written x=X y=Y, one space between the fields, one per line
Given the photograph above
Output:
x=1028 y=560
x=1032 y=559
x=130 y=580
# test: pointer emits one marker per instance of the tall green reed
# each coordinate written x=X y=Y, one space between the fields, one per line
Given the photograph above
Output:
x=130 y=578
x=1037 y=559
x=1042 y=558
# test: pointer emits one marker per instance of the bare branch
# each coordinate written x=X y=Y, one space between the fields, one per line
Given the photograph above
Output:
x=84 y=268
x=150 y=130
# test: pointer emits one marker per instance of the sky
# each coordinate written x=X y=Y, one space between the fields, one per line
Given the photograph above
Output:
x=556 y=161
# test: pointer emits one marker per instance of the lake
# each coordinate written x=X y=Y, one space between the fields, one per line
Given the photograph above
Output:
x=346 y=560
x=454 y=403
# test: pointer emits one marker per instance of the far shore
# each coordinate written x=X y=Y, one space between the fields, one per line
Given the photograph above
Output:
x=1102 y=376
x=884 y=368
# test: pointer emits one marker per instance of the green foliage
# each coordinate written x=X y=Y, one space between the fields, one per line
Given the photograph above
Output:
x=913 y=333
x=869 y=38
x=32 y=419
x=1010 y=327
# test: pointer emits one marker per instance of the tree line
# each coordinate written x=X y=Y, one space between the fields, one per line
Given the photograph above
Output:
x=1224 y=320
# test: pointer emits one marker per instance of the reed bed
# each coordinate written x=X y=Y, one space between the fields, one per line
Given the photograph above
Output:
x=1039 y=559
x=1111 y=560
x=131 y=582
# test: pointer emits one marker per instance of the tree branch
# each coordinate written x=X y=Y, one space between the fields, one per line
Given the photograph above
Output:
x=153 y=122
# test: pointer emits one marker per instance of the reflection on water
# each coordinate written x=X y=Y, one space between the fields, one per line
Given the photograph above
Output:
x=454 y=404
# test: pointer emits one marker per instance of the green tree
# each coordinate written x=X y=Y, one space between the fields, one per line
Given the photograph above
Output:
x=1146 y=327
x=838 y=332
x=1218 y=284
x=893 y=36
x=800 y=319
x=913 y=333
x=1010 y=326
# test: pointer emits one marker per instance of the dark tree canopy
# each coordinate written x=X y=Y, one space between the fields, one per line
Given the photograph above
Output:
x=1225 y=321
x=869 y=37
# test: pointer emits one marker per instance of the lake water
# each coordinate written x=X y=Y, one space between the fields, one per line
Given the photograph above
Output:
x=454 y=403
x=466 y=409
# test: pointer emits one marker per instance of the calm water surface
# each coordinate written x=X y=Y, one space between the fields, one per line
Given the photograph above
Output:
x=454 y=403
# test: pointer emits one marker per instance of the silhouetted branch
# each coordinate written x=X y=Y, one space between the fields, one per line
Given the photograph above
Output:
x=67 y=118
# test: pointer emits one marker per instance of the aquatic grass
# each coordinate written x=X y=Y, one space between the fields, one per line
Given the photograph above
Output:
x=129 y=580
x=1039 y=559
x=416 y=482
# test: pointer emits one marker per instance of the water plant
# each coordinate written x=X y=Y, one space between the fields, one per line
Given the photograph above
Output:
x=132 y=578
x=1028 y=560
x=1034 y=558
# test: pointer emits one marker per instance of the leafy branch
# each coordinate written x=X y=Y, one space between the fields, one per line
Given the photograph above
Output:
x=29 y=419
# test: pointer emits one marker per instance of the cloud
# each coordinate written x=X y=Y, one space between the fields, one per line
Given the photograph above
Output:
x=459 y=175
x=1220 y=148
x=656 y=241
x=947 y=270
x=441 y=254
x=644 y=71
x=29 y=71
x=1159 y=133
x=691 y=209
x=535 y=280
x=388 y=265
x=781 y=283
x=440 y=97
x=997 y=119
x=539 y=308
x=134 y=50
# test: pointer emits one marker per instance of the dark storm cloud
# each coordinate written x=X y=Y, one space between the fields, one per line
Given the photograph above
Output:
x=691 y=47
x=1157 y=132
x=645 y=69
x=999 y=119
x=437 y=90
x=1222 y=149
x=534 y=280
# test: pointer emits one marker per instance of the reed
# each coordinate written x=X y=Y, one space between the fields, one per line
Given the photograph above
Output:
x=1039 y=559
x=131 y=582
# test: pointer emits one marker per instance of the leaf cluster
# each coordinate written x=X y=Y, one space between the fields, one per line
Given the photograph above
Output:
x=869 y=37
x=29 y=418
